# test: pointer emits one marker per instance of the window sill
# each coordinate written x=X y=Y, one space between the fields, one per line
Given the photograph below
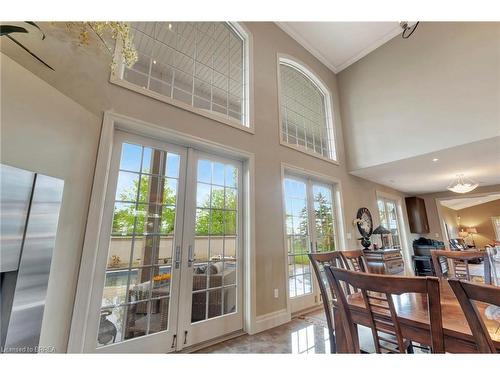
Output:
x=310 y=153
x=130 y=86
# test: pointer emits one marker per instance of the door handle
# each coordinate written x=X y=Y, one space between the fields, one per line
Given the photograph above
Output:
x=190 y=256
x=177 y=256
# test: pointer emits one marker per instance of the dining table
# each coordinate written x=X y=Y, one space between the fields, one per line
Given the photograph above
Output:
x=413 y=319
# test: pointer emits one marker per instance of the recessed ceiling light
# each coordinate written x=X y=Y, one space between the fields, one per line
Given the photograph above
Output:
x=154 y=61
x=435 y=160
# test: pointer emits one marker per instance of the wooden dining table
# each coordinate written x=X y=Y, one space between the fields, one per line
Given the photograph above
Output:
x=414 y=321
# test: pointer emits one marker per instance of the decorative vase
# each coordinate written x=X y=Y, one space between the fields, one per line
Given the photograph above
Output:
x=365 y=242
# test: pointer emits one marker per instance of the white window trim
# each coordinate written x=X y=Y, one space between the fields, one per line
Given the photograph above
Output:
x=111 y=122
x=341 y=243
x=247 y=126
x=309 y=73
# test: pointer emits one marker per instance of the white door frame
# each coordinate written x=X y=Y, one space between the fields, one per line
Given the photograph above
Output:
x=78 y=339
x=340 y=242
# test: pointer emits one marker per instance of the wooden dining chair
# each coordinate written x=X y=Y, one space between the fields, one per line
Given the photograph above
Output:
x=467 y=294
x=355 y=260
x=459 y=263
x=377 y=292
x=319 y=261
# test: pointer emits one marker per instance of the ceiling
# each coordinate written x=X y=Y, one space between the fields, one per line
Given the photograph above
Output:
x=461 y=203
x=340 y=44
x=479 y=161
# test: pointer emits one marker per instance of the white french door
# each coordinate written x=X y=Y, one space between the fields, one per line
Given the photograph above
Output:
x=213 y=278
x=168 y=272
x=310 y=227
x=388 y=215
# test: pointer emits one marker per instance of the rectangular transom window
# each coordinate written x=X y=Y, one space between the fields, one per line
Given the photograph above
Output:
x=198 y=64
x=306 y=122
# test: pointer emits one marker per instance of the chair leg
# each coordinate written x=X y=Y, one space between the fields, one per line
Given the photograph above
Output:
x=333 y=344
x=409 y=349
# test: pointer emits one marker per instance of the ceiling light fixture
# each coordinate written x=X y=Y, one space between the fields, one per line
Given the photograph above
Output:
x=407 y=29
x=462 y=185
x=435 y=160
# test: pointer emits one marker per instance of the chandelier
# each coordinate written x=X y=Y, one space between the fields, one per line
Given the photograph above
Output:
x=462 y=185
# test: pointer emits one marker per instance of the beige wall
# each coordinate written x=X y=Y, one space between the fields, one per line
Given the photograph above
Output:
x=83 y=75
x=426 y=91
x=431 y=206
x=480 y=217
x=44 y=131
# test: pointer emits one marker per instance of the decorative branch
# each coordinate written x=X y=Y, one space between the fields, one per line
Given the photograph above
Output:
x=119 y=31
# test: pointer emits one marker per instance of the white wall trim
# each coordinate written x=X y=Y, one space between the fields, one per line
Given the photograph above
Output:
x=308 y=46
x=316 y=53
x=111 y=122
x=271 y=320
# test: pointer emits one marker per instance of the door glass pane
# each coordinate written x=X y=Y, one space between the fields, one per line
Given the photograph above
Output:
x=298 y=240
x=138 y=271
x=323 y=213
x=389 y=220
x=216 y=238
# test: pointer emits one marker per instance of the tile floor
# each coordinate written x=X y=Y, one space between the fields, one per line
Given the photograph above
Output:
x=302 y=335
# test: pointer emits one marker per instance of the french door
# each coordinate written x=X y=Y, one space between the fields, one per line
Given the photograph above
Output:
x=310 y=227
x=171 y=276
x=388 y=216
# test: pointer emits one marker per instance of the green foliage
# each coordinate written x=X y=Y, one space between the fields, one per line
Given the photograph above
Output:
x=216 y=217
x=216 y=221
x=323 y=226
x=127 y=216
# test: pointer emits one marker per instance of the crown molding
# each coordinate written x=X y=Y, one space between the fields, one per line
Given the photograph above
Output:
x=337 y=69
x=299 y=39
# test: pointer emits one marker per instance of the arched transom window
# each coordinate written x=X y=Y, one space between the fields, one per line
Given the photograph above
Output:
x=195 y=64
x=306 y=121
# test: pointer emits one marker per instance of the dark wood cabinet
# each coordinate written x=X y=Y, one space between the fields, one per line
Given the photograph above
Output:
x=417 y=216
x=385 y=261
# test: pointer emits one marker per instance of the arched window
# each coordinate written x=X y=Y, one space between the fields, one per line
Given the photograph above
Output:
x=200 y=66
x=305 y=105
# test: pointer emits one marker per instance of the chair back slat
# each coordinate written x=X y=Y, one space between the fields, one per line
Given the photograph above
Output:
x=459 y=262
x=355 y=260
x=377 y=292
x=467 y=293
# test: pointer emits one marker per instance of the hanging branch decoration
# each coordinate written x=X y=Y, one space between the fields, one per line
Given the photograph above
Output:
x=118 y=31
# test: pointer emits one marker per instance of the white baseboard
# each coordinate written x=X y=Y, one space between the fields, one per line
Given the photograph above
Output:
x=271 y=320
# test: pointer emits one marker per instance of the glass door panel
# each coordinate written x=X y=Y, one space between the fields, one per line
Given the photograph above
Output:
x=297 y=237
x=213 y=240
x=137 y=292
x=323 y=214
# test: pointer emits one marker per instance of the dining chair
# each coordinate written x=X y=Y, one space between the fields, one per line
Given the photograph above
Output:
x=318 y=261
x=467 y=294
x=355 y=260
x=377 y=292
x=459 y=263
